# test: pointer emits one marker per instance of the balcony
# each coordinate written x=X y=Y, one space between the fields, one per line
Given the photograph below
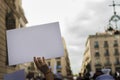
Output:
x=96 y=46
x=97 y=54
x=107 y=64
x=117 y=63
x=98 y=65
x=117 y=68
x=115 y=45
x=106 y=46
x=116 y=54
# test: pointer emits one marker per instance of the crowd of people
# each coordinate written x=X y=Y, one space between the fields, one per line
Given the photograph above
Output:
x=103 y=74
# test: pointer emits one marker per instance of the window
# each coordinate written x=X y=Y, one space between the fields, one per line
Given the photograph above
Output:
x=58 y=65
x=10 y=21
x=115 y=43
x=116 y=52
x=107 y=63
x=96 y=44
x=105 y=44
x=117 y=61
x=10 y=24
x=106 y=52
x=58 y=71
x=97 y=54
x=117 y=69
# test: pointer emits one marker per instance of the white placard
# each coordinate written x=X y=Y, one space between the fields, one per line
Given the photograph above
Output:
x=42 y=40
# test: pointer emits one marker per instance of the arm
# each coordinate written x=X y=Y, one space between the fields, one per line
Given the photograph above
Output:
x=42 y=66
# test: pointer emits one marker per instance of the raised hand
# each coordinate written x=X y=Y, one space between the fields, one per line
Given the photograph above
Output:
x=41 y=65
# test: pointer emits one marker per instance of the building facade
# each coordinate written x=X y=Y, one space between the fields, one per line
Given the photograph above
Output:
x=103 y=51
x=11 y=17
x=61 y=64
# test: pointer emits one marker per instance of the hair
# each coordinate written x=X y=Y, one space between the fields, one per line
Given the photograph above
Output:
x=98 y=73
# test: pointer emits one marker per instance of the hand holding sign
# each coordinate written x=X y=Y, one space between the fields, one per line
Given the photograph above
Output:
x=43 y=67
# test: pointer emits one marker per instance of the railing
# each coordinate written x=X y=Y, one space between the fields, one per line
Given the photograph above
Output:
x=107 y=64
x=115 y=45
x=97 y=54
x=116 y=53
x=96 y=46
x=117 y=63
x=106 y=46
x=98 y=64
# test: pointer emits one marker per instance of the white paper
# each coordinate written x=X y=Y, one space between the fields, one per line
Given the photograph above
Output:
x=42 y=40
x=18 y=75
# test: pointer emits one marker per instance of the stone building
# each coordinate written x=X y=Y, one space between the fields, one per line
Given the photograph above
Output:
x=61 y=64
x=11 y=17
x=102 y=51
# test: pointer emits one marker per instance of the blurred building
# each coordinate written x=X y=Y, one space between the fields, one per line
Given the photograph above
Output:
x=61 y=64
x=86 y=60
x=103 y=49
x=11 y=17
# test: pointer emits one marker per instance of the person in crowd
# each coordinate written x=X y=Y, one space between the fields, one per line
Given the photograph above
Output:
x=86 y=76
x=91 y=75
x=97 y=73
x=105 y=76
x=58 y=76
x=43 y=67
x=79 y=77
x=30 y=76
x=117 y=75
x=38 y=78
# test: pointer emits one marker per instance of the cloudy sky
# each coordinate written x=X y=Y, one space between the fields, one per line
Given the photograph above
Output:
x=77 y=18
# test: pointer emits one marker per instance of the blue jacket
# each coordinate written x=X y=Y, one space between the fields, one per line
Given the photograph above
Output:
x=104 y=77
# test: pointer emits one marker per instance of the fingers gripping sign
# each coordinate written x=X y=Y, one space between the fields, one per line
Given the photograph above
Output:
x=41 y=65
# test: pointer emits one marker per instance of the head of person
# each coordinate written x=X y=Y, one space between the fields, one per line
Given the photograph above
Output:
x=80 y=74
x=106 y=71
x=58 y=76
x=97 y=73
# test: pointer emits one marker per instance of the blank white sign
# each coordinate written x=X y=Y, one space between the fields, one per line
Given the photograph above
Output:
x=37 y=41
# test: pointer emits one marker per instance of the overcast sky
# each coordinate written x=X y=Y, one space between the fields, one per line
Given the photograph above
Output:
x=78 y=19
